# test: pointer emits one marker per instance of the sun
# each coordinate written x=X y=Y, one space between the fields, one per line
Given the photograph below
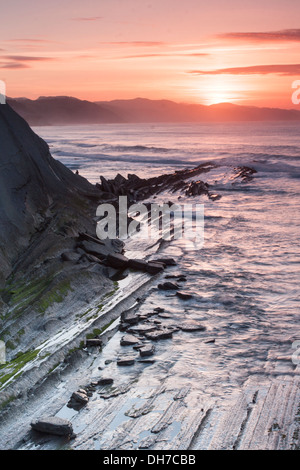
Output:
x=213 y=90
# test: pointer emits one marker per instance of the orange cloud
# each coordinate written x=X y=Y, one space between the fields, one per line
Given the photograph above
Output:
x=280 y=69
x=13 y=65
x=144 y=56
x=22 y=58
x=134 y=43
x=88 y=18
x=272 y=36
x=31 y=40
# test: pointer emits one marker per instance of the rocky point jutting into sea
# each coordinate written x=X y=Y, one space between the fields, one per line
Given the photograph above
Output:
x=119 y=346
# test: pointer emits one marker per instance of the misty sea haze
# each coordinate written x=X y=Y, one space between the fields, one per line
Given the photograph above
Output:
x=246 y=276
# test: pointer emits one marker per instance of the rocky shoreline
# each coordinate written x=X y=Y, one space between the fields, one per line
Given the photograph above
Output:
x=94 y=347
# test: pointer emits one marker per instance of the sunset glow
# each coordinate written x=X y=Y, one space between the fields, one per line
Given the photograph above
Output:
x=184 y=51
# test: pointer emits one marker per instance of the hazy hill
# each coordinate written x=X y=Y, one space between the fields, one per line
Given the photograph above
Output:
x=67 y=110
x=61 y=110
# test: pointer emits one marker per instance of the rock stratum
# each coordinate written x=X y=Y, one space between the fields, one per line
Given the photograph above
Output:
x=47 y=274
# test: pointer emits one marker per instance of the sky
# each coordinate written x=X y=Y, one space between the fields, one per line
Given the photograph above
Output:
x=193 y=51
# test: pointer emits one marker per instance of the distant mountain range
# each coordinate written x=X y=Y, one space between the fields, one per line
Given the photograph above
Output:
x=65 y=110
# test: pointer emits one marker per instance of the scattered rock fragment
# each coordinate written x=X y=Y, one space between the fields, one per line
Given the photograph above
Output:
x=80 y=397
x=129 y=317
x=129 y=340
x=117 y=260
x=160 y=334
x=142 y=329
x=138 y=264
x=53 y=425
x=126 y=361
x=105 y=381
x=211 y=340
x=153 y=267
x=168 y=286
x=167 y=261
x=184 y=295
x=190 y=326
x=147 y=350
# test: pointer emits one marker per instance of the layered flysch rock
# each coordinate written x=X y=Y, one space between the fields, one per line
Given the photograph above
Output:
x=31 y=181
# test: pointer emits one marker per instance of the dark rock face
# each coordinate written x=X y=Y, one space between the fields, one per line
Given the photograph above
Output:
x=117 y=260
x=138 y=264
x=30 y=182
x=53 y=425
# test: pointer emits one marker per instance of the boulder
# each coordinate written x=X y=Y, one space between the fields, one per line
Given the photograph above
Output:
x=126 y=361
x=168 y=286
x=153 y=267
x=142 y=329
x=138 y=264
x=53 y=425
x=117 y=260
x=129 y=317
x=118 y=245
x=129 y=340
x=93 y=248
x=190 y=326
x=159 y=310
x=147 y=350
x=167 y=261
x=159 y=334
x=80 y=397
x=184 y=295
x=105 y=381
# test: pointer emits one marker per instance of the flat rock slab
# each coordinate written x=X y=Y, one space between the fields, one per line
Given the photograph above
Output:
x=167 y=261
x=147 y=350
x=105 y=381
x=117 y=260
x=138 y=264
x=168 y=286
x=154 y=267
x=129 y=317
x=94 y=248
x=184 y=295
x=126 y=361
x=159 y=334
x=142 y=329
x=53 y=425
x=189 y=326
x=129 y=340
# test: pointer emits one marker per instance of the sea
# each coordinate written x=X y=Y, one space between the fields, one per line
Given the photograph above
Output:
x=245 y=278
